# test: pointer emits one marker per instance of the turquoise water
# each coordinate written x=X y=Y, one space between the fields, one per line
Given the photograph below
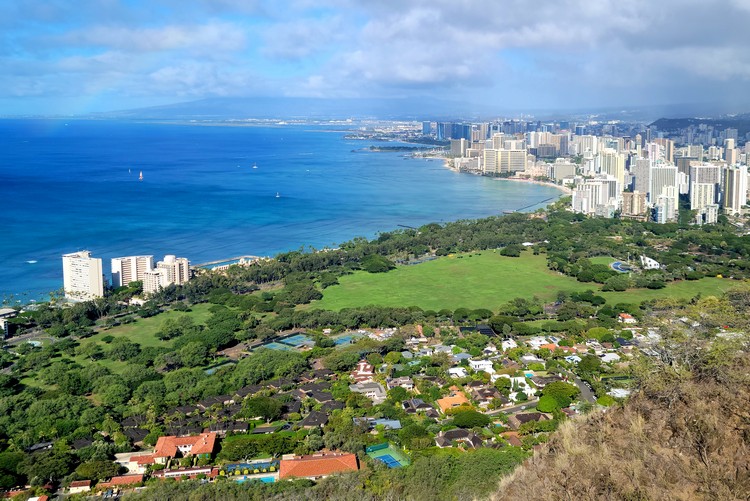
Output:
x=67 y=186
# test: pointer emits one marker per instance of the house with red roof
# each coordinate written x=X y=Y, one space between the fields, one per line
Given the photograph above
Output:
x=318 y=465
x=168 y=447
x=363 y=372
x=121 y=481
x=78 y=486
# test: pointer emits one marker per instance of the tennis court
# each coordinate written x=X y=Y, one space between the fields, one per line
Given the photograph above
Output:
x=278 y=346
x=389 y=455
x=296 y=340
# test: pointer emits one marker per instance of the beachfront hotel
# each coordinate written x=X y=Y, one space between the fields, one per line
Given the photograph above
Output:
x=173 y=270
x=128 y=269
x=82 y=276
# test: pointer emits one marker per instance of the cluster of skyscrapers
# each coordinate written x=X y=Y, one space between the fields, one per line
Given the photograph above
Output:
x=635 y=176
x=83 y=278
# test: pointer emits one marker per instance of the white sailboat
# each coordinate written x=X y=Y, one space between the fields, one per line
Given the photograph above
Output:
x=140 y=176
x=277 y=195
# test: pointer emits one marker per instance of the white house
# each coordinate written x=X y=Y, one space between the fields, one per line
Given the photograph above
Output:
x=482 y=366
x=572 y=359
x=457 y=372
x=649 y=264
x=372 y=390
x=508 y=344
x=537 y=342
x=521 y=384
x=610 y=357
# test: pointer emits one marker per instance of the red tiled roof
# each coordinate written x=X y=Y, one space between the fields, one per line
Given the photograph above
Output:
x=80 y=483
x=318 y=465
x=147 y=459
x=122 y=480
x=201 y=444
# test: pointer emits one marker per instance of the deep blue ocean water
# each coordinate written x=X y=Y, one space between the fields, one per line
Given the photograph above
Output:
x=73 y=185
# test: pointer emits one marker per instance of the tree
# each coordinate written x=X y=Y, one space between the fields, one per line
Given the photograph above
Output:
x=9 y=469
x=266 y=407
x=97 y=470
x=470 y=419
x=397 y=394
x=562 y=392
x=547 y=404
x=193 y=354
x=590 y=364
x=375 y=263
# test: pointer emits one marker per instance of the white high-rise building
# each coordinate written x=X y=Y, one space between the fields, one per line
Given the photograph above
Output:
x=735 y=189
x=173 y=270
x=661 y=176
x=82 y=276
x=130 y=269
x=666 y=205
x=612 y=163
x=701 y=195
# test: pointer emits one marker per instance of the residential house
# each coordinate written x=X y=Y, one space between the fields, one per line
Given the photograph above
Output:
x=415 y=405
x=169 y=447
x=457 y=372
x=626 y=318
x=458 y=436
x=573 y=359
x=370 y=423
x=121 y=482
x=317 y=466
x=455 y=398
x=372 y=390
x=404 y=382
x=508 y=344
x=610 y=357
x=78 y=486
x=460 y=357
x=536 y=342
x=363 y=372
x=542 y=381
x=519 y=384
x=315 y=419
x=516 y=420
x=482 y=366
x=531 y=359
x=485 y=394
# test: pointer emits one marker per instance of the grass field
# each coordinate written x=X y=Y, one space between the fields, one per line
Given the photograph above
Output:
x=481 y=280
x=143 y=330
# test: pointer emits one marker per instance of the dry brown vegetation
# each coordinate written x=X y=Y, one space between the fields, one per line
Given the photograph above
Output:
x=682 y=436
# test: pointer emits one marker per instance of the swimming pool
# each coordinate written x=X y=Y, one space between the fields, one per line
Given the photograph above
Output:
x=267 y=479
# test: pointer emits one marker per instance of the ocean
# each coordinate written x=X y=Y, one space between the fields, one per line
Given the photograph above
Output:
x=210 y=193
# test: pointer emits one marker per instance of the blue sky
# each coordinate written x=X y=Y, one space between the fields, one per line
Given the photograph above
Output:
x=78 y=56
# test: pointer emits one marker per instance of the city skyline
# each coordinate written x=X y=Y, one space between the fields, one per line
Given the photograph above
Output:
x=75 y=58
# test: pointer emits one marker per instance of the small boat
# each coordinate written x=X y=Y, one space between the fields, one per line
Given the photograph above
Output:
x=140 y=176
x=277 y=195
x=255 y=166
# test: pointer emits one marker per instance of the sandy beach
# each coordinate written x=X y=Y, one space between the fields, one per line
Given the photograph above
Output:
x=564 y=189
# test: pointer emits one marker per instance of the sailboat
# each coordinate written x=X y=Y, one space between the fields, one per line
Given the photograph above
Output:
x=277 y=195
x=255 y=166
x=140 y=176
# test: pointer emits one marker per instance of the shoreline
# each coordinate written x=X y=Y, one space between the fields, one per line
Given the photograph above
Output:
x=564 y=189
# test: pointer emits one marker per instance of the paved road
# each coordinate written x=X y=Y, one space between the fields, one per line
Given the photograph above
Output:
x=525 y=406
x=586 y=392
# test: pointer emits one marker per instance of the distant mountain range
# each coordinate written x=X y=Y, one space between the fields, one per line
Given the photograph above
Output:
x=290 y=108
x=739 y=122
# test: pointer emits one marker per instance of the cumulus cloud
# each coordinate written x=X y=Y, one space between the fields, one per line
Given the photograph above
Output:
x=510 y=49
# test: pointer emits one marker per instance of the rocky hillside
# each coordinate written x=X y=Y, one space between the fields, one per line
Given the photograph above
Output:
x=683 y=436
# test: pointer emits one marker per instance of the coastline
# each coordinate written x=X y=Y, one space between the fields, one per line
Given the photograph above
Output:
x=564 y=189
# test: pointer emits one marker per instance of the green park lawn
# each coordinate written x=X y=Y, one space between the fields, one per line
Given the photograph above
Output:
x=481 y=280
x=143 y=331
